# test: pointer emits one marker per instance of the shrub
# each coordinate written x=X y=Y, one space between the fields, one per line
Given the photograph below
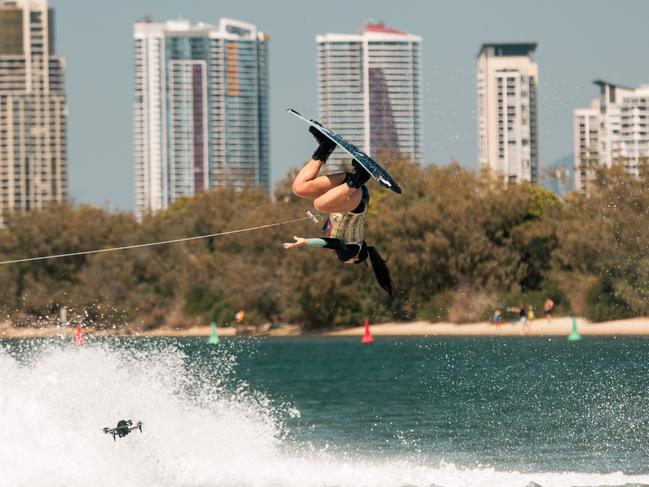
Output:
x=603 y=303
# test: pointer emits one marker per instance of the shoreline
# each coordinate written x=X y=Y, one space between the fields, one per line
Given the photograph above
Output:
x=561 y=326
x=558 y=327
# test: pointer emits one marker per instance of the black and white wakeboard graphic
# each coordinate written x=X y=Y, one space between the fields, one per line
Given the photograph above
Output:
x=370 y=165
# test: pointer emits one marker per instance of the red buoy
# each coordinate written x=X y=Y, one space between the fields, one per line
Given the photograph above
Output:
x=367 y=338
x=78 y=339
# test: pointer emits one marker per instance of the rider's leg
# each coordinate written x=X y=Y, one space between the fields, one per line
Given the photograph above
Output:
x=308 y=184
x=346 y=196
x=342 y=198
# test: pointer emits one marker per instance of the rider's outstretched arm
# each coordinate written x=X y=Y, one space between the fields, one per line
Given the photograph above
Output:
x=323 y=243
x=343 y=251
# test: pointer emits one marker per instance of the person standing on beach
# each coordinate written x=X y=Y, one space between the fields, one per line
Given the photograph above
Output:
x=522 y=318
x=497 y=318
x=547 y=309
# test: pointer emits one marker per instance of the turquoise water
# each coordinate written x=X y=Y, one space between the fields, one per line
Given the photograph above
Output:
x=532 y=404
x=329 y=411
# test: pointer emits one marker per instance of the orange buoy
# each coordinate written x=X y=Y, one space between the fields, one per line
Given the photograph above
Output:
x=78 y=339
x=367 y=337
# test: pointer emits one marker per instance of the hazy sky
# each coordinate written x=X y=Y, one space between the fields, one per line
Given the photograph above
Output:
x=579 y=41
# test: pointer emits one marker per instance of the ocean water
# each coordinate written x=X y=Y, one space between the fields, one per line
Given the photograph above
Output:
x=326 y=412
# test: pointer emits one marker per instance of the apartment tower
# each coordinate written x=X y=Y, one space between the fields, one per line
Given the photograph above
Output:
x=369 y=87
x=614 y=130
x=507 y=111
x=33 y=109
x=586 y=143
x=200 y=110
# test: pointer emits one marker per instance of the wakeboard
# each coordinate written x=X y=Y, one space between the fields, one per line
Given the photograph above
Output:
x=370 y=165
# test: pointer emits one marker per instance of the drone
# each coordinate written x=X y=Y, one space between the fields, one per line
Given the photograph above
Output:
x=123 y=428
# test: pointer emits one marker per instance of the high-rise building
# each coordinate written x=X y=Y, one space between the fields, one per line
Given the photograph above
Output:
x=369 y=87
x=508 y=79
x=615 y=130
x=586 y=144
x=200 y=109
x=33 y=109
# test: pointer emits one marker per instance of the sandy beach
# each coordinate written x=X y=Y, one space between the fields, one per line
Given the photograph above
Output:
x=540 y=327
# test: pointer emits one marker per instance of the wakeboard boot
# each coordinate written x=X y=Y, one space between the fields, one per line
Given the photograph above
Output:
x=325 y=145
x=359 y=177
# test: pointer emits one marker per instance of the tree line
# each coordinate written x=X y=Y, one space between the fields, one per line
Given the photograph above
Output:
x=460 y=244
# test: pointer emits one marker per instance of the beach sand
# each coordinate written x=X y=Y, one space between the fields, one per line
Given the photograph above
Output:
x=540 y=327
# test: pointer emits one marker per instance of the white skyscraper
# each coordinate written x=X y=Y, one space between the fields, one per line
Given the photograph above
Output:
x=33 y=109
x=200 y=109
x=507 y=111
x=616 y=132
x=586 y=142
x=369 y=90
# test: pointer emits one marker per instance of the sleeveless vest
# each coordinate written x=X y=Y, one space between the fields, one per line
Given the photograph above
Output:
x=347 y=227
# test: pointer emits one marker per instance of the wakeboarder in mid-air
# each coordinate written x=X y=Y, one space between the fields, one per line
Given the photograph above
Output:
x=346 y=198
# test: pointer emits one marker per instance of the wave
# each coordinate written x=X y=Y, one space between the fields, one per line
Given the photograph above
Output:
x=202 y=427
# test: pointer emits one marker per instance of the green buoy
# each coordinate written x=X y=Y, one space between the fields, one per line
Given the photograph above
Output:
x=214 y=338
x=574 y=336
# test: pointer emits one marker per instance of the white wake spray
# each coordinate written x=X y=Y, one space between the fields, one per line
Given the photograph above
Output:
x=201 y=428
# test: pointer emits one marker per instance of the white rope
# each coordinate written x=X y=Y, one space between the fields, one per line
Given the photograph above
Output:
x=151 y=244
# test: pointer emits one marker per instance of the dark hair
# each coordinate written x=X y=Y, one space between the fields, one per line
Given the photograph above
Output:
x=379 y=266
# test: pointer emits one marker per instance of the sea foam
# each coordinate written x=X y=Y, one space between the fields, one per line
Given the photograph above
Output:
x=202 y=427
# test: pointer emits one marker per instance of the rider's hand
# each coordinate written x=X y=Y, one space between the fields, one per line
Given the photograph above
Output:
x=299 y=242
